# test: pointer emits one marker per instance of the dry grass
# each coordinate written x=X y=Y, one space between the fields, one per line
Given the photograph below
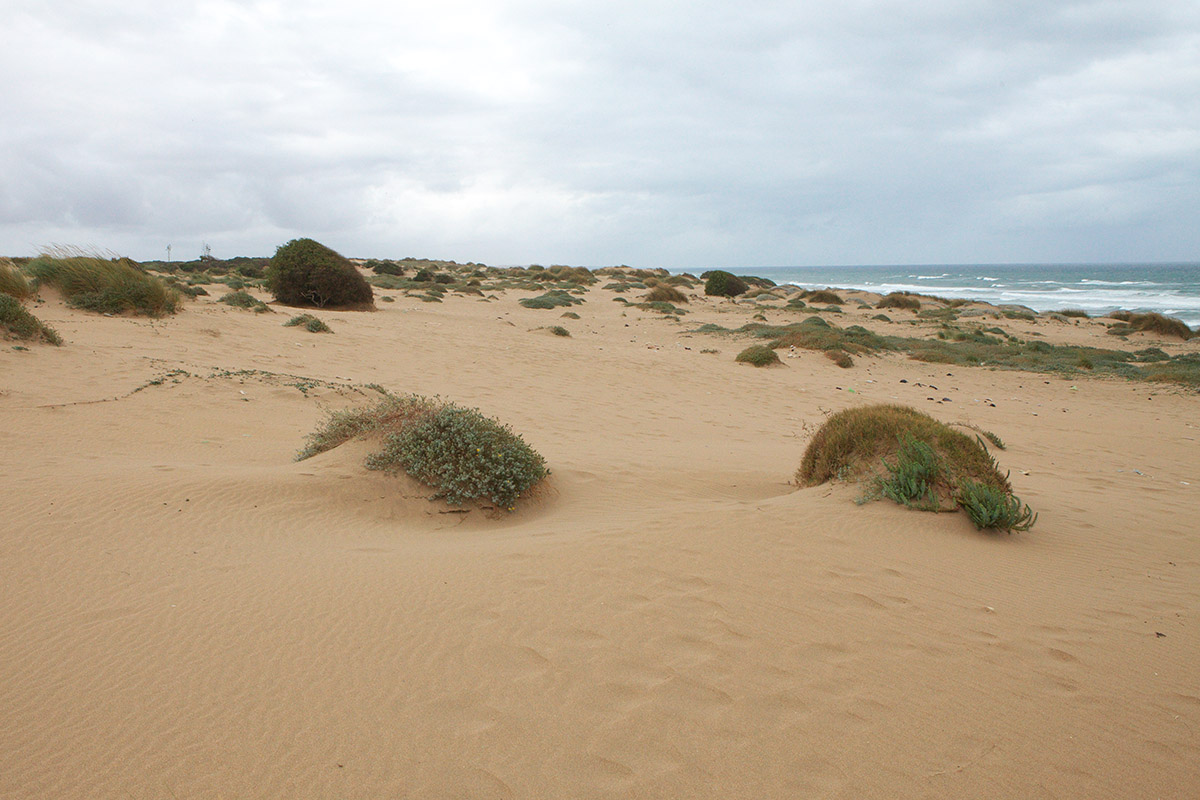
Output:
x=104 y=285
x=13 y=282
x=663 y=293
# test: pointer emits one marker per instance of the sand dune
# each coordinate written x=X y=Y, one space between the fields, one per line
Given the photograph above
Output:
x=187 y=612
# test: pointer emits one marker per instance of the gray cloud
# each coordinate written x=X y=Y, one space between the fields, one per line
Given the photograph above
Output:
x=647 y=133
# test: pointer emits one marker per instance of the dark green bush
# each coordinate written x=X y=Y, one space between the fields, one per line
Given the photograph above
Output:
x=720 y=283
x=554 y=298
x=243 y=299
x=307 y=273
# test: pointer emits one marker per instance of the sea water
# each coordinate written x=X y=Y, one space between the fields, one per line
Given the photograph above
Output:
x=1171 y=289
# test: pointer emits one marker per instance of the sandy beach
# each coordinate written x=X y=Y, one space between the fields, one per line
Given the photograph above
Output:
x=187 y=612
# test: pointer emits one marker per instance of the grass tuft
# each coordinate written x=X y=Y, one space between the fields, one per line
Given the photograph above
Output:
x=13 y=282
x=899 y=300
x=665 y=293
x=1153 y=323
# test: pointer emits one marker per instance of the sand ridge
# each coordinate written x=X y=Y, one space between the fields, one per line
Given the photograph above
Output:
x=188 y=612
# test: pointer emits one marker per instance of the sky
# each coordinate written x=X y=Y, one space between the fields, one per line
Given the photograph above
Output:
x=649 y=133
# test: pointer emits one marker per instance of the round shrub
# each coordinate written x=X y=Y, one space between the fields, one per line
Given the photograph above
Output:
x=759 y=355
x=304 y=272
x=724 y=284
x=465 y=456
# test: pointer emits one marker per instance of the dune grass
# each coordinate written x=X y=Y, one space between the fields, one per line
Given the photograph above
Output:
x=1153 y=323
x=899 y=300
x=13 y=282
x=665 y=293
x=915 y=460
x=16 y=322
x=108 y=286
x=463 y=455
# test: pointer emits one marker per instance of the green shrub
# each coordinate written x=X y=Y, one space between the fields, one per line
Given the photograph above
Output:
x=18 y=323
x=665 y=293
x=384 y=267
x=463 y=455
x=13 y=282
x=720 y=283
x=309 y=322
x=570 y=315
x=992 y=508
x=1074 y=312
x=559 y=330
x=758 y=355
x=307 y=273
x=243 y=299
x=554 y=298
x=104 y=285
x=899 y=300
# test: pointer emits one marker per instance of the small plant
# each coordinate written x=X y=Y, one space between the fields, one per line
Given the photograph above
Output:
x=307 y=273
x=570 y=315
x=840 y=357
x=559 y=330
x=1074 y=312
x=309 y=322
x=758 y=355
x=993 y=509
x=720 y=283
x=18 y=323
x=107 y=286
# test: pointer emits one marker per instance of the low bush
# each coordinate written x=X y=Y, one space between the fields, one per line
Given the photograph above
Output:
x=899 y=300
x=840 y=357
x=555 y=298
x=559 y=330
x=664 y=293
x=243 y=299
x=935 y=467
x=463 y=455
x=758 y=355
x=1074 y=312
x=304 y=272
x=309 y=323
x=720 y=283
x=16 y=322
x=104 y=285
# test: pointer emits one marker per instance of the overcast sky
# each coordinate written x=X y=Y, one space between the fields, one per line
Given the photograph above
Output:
x=651 y=133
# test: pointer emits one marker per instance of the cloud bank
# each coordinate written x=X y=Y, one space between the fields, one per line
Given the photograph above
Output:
x=652 y=133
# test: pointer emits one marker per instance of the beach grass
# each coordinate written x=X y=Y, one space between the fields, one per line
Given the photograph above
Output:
x=13 y=281
x=104 y=285
x=758 y=355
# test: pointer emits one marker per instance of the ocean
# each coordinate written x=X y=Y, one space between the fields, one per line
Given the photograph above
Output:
x=1171 y=289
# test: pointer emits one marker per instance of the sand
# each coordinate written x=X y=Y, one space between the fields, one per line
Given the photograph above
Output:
x=186 y=612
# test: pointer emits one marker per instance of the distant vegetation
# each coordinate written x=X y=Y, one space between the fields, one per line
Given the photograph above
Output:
x=309 y=323
x=719 y=283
